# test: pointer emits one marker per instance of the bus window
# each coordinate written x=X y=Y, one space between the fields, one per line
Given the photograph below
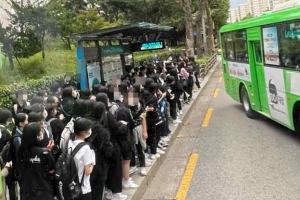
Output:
x=289 y=39
x=257 y=51
x=240 y=44
x=229 y=47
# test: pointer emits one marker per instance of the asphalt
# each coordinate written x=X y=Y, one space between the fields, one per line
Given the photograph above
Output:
x=239 y=158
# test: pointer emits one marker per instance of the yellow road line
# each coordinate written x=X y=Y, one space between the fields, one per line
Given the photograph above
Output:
x=216 y=92
x=207 y=117
x=220 y=79
x=187 y=177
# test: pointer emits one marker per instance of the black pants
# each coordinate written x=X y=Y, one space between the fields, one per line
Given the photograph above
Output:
x=152 y=140
x=97 y=190
x=179 y=103
x=87 y=196
x=173 y=112
x=141 y=156
x=114 y=175
x=11 y=184
x=197 y=80
x=164 y=131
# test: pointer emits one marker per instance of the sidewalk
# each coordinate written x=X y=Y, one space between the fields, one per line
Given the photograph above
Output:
x=144 y=182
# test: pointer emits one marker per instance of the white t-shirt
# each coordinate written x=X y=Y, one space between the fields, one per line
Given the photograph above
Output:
x=85 y=156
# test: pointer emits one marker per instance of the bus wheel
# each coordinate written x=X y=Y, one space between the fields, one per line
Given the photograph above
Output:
x=246 y=103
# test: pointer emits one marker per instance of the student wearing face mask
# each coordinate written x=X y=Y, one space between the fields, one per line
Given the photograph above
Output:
x=39 y=117
x=5 y=136
x=36 y=165
x=85 y=157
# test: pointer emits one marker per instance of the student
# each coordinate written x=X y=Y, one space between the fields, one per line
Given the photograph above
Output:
x=36 y=165
x=85 y=157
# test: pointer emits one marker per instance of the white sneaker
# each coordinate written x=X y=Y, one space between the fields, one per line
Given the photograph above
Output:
x=148 y=164
x=160 y=146
x=143 y=171
x=177 y=121
x=165 y=139
x=180 y=112
x=155 y=156
x=129 y=185
x=108 y=194
x=159 y=151
x=133 y=170
x=118 y=196
x=147 y=155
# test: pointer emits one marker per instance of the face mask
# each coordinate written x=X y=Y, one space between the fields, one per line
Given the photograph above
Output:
x=74 y=93
x=40 y=137
x=45 y=114
x=89 y=133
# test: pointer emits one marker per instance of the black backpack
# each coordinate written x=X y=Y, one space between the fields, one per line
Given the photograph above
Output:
x=67 y=174
x=8 y=152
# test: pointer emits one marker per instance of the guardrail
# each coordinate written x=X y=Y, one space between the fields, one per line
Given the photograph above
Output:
x=204 y=68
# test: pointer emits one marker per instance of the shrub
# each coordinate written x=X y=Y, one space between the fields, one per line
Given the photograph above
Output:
x=33 y=67
x=7 y=93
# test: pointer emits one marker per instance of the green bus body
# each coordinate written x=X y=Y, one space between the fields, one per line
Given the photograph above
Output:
x=262 y=57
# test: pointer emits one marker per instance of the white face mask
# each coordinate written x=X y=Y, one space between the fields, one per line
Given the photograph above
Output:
x=45 y=114
x=89 y=133
x=41 y=137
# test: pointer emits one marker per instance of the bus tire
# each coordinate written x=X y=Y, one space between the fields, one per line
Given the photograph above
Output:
x=246 y=103
x=296 y=118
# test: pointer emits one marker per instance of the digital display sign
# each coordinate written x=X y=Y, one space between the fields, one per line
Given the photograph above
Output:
x=147 y=46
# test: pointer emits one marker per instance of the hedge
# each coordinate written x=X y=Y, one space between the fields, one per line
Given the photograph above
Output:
x=7 y=93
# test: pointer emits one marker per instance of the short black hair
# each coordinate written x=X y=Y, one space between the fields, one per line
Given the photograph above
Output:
x=5 y=115
x=35 y=117
x=82 y=124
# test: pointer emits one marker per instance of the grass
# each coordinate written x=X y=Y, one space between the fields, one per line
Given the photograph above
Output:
x=56 y=62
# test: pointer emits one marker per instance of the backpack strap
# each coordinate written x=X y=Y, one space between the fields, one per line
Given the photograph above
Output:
x=77 y=148
x=51 y=120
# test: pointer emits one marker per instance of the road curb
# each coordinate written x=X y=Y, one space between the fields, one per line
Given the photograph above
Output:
x=144 y=182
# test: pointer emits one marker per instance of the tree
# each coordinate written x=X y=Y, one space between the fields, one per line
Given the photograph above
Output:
x=199 y=25
x=219 y=12
x=6 y=38
x=248 y=16
x=186 y=6
x=88 y=20
x=210 y=28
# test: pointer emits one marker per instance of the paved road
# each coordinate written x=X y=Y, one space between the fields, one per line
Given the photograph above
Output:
x=239 y=158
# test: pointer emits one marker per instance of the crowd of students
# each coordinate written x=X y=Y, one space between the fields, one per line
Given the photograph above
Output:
x=111 y=132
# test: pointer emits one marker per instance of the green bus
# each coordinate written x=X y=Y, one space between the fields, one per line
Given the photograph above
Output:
x=261 y=65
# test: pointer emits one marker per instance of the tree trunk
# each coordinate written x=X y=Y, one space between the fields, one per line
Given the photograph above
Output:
x=43 y=46
x=199 y=29
x=210 y=30
x=205 y=45
x=186 y=5
x=11 y=61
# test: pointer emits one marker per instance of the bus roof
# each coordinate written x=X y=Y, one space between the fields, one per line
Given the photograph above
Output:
x=285 y=15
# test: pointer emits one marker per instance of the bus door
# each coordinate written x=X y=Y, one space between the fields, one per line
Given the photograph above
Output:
x=256 y=65
x=257 y=62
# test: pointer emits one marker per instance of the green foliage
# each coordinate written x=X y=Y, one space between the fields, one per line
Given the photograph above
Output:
x=219 y=12
x=57 y=62
x=33 y=67
x=163 y=54
x=203 y=60
x=248 y=16
x=7 y=93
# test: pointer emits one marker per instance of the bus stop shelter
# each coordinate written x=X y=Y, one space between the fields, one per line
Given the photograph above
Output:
x=103 y=53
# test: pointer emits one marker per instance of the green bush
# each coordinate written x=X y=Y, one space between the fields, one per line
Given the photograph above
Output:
x=32 y=67
x=7 y=93
x=163 y=54
x=203 y=60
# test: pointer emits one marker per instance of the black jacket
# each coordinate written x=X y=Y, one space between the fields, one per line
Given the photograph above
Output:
x=103 y=149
